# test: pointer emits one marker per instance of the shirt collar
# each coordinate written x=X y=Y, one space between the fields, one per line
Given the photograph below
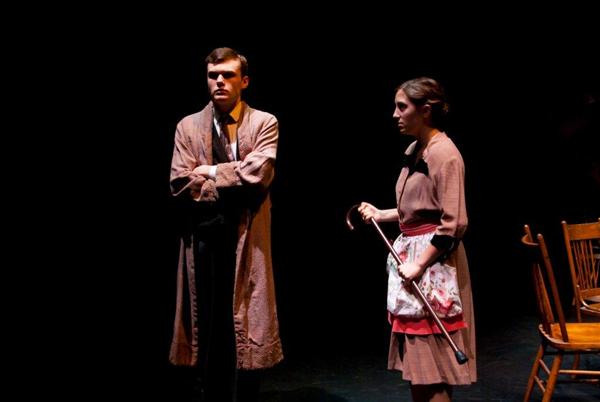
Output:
x=233 y=115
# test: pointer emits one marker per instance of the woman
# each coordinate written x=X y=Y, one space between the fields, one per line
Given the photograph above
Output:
x=432 y=216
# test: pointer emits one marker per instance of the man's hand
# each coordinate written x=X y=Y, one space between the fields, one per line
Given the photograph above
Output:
x=202 y=170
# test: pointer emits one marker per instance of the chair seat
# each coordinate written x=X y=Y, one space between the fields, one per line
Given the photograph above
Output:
x=592 y=309
x=594 y=299
x=581 y=336
x=591 y=301
x=591 y=295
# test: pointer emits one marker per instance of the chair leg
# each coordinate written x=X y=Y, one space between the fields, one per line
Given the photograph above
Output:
x=534 y=372
x=552 y=377
x=577 y=307
x=576 y=360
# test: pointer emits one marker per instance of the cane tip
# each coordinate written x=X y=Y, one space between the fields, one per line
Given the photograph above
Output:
x=461 y=358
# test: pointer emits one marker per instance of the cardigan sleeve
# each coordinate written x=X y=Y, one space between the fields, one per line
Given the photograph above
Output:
x=450 y=193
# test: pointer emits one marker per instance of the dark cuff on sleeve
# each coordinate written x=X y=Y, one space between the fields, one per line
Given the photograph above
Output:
x=444 y=243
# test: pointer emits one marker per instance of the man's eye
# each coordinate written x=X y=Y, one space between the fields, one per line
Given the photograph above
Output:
x=226 y=75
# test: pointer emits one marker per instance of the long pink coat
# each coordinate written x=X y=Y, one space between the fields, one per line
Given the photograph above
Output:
x=254 y=309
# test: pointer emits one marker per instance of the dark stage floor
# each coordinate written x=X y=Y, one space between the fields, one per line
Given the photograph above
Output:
x=504 y=360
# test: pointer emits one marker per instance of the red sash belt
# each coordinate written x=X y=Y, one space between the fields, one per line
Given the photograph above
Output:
x=419 y=229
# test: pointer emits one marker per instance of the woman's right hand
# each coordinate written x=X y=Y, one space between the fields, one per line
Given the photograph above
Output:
x=368 y=211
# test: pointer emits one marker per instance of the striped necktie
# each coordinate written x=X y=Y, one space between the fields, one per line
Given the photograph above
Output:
x=223 y=123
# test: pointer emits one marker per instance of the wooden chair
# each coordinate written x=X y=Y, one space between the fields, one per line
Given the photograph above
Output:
x=558 y=338
x=584 y=263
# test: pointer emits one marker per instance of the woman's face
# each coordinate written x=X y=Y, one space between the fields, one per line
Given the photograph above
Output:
x=410 y=119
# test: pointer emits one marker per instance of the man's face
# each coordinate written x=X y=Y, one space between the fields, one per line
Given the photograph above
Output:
x=225 y=83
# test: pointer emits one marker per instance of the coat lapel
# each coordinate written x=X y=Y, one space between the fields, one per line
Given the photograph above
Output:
x=203 y=148
x=243 y=134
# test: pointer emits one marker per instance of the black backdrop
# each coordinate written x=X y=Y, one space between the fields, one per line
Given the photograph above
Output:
x=524 y=114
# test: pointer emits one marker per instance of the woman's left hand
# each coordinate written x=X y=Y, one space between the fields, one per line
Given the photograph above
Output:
x=410 y=270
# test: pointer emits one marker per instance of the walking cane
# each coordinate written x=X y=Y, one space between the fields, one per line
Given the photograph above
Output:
x=461 y=358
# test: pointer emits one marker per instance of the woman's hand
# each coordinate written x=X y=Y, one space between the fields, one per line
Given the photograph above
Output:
x=410 y=270
x=368 y=211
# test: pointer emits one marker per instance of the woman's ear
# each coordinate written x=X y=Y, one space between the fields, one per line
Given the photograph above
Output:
x=426 y=111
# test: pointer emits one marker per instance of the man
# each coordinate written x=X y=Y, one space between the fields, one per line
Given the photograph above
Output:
x=223 y=165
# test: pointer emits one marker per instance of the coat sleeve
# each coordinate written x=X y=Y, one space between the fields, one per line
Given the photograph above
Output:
x=257 y=168
x=183 y=180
